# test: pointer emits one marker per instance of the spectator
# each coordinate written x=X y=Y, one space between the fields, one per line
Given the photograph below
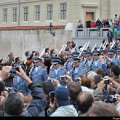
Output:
x=88 y=24
x=93 y=25
x=115 y=33
x=110 y=35
x=86 y=84
x=47 y=88
x=62 y=100
x=91 y=75
x=115 y=73
x=98 y=24
x=100 y=71
x=84 y=101
x=111 y=23
x=80 y=24
x=52 y=53
x=100 y=109
x=14 y=103
x=74 y=89
x=97 y=78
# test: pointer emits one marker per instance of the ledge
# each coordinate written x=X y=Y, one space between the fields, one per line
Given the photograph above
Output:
x=31 y=28
x=90 y=5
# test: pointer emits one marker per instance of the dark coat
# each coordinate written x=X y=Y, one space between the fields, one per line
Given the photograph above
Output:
x=37 y=106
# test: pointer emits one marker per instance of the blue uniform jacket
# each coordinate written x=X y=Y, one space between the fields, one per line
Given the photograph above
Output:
x=39 y=75
x=95 y=66
x=20 y=85
x=61 y=72
x=81 y=70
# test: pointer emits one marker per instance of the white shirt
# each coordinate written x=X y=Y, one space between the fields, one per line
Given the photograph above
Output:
x=56 y=70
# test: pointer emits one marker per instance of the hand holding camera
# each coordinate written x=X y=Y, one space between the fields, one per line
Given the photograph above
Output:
x=63 y=78
x=106 y=81
x=101 y=85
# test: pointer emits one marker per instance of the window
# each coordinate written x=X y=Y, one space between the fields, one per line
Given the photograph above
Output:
x=25 y=13
x=49 y=12
x=63 y=10
x=5 y=10
x=37 y=12
x=15 y=14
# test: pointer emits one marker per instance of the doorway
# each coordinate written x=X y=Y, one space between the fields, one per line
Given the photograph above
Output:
x=90 y=16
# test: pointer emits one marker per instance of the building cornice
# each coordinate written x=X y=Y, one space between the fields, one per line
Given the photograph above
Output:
x=90 y=5
x=18 y=1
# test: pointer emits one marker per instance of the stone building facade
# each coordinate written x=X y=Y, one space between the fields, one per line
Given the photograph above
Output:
x=59 y=12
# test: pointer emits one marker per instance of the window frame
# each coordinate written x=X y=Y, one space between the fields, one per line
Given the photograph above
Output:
x=37 y=12
x=15 y=14
x=26 y=13
x=50 y=12
x=63 y=11
x=5 y=14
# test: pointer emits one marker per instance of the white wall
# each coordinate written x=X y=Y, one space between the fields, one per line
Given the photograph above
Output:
x=22 y=40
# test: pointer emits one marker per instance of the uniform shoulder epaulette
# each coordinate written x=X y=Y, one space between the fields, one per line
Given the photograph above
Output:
x=63 y=68
x=52 y=69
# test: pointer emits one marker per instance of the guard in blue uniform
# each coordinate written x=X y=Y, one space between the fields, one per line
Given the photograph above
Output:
x=111 y=55
x=96 y=62
x=38 y=72
x=20 y=85
x=118 y=55
x=57 y=70
x=79 y=69
x=84 y=56
x=89 y=60
x=69 y=64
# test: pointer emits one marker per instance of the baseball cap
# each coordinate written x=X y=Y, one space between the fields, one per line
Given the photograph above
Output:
x=62 y=95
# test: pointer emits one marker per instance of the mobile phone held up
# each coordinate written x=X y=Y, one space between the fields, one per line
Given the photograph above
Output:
x=63 y=78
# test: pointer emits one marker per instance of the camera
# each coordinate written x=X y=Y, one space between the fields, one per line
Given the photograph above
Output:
x=111 y=99
x=106 y=82
x=51 y=94
x=63 y=78
x=14 y=69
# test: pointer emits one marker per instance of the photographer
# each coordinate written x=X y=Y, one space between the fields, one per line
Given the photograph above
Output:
x=106 y=90
x=14 y=104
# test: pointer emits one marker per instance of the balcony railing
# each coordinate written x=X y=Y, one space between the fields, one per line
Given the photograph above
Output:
x=91 y=32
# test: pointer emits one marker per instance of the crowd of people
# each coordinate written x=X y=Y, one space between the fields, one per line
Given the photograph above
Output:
x=72 y=82
x=114 y=24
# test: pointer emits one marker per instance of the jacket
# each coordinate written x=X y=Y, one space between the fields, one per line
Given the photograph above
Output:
x=37 y=106
x=64 y=111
